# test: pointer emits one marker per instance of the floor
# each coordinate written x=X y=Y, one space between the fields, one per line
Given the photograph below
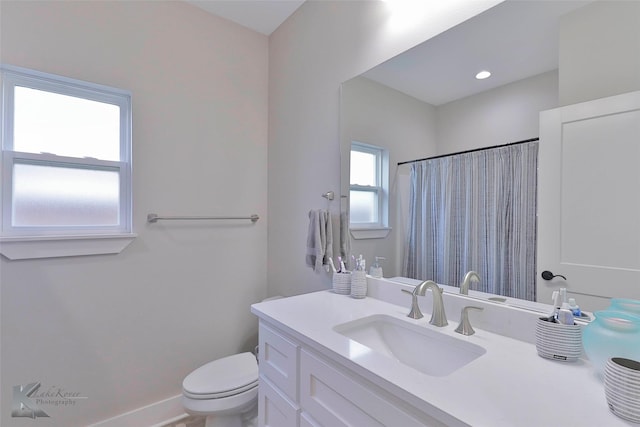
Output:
x=195 y=421
x=192 y=421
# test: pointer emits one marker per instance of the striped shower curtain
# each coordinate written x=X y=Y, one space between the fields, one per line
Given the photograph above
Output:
x=475 y=211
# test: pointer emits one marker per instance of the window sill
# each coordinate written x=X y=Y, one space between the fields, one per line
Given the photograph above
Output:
x=370 y=233
x=35 y=247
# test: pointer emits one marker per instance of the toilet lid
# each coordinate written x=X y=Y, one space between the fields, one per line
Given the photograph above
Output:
x=229 y=374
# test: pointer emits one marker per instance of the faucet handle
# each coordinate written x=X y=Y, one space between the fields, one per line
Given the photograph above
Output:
x=415 y=312
x=464 y=327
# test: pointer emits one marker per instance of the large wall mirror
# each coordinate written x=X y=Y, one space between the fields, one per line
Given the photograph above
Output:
x=427 y=102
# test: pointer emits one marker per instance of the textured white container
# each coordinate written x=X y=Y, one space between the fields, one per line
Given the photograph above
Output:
x=342 y=283
x=622 y=388
x=558 y=342
x=358 y=284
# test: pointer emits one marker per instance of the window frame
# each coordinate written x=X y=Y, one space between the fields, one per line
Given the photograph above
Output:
x=378 y=228
x=12 y=236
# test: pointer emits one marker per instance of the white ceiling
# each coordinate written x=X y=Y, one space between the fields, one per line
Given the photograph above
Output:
x=514 y=40
x=263 y=16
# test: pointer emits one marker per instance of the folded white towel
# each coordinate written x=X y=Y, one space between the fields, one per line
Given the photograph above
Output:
x=319 y=239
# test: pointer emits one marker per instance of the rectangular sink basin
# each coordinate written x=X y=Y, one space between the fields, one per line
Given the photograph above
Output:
x=430 y=352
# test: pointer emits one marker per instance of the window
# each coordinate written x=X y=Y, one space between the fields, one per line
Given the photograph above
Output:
x=66 y=160
x=369 y=187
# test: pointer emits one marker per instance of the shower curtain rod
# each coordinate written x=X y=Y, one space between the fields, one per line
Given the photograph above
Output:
x=469 y=151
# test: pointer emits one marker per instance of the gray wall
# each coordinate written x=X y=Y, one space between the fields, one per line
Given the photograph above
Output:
x=599 y=51
x=506 y=114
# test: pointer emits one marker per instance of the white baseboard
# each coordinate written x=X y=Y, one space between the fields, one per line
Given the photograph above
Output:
x=156 y=414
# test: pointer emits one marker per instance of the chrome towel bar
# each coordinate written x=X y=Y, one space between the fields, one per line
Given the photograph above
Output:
x=152 y=218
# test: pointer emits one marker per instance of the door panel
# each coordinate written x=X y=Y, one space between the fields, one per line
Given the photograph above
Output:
x=589 y=200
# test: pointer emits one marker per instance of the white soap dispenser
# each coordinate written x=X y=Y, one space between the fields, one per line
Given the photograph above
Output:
x=359 y=279
x=376 y=268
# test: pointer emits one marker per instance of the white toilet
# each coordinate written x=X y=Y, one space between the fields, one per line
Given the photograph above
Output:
x=225 y=391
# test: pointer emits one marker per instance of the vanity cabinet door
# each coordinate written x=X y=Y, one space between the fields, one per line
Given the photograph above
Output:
x=336 y=399
x=278 y=361
x=274 y=410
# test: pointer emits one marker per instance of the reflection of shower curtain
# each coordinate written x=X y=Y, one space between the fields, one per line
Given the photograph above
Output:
x=475 y=211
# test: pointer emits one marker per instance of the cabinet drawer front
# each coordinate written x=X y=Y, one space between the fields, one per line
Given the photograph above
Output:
x=274 y=410
x=278 y=361
x=334 y=399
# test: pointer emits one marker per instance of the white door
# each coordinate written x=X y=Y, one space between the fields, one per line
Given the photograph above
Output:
x=589 y=200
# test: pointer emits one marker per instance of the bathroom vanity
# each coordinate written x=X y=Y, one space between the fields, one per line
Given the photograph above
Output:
x=331 y=360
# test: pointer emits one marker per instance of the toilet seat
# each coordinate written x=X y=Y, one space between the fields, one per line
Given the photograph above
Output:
x=221 y=378
x=220 y=394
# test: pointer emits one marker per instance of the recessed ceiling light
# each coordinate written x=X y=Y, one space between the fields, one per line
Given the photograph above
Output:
x=483 y=75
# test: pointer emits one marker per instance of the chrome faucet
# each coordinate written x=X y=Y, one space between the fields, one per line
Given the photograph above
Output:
x=471 y=276
x=438 y=316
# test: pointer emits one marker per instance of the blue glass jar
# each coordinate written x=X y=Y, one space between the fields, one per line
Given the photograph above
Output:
x=611 y=334
x=631 y=306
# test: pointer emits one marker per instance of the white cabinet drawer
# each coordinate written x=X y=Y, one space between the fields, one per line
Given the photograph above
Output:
x=274 y=410
x=278 y=360
x=335 y=399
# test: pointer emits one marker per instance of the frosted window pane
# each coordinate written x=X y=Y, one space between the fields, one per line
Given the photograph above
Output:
x=58 y=196
x=46 y=122
x=363 y=168
x=363 y=207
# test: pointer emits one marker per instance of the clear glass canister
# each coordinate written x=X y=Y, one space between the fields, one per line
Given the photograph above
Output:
x=631 y=306
x=611 y=334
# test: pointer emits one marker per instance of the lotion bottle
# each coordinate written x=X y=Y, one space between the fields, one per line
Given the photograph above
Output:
x=376 y=268
x=565 y=316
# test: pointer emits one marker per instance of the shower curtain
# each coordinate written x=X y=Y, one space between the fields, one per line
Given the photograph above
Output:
x=475 y=211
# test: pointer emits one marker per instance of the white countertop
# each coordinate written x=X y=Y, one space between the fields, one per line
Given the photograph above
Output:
x=510 y=385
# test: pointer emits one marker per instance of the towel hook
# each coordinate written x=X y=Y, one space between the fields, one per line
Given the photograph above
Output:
x=329 y=195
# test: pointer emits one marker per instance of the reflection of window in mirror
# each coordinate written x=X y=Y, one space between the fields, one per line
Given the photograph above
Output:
x=369 y=186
